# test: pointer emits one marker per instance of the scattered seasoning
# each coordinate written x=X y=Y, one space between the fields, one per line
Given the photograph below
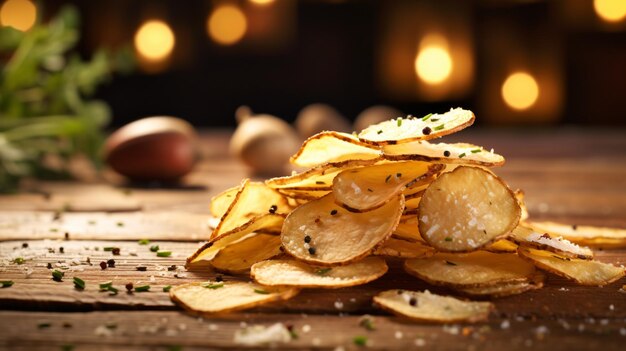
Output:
x=312 y=250
x=399 y=292
x=108 y=248
x=387 y=179
x=319 y=182
x=379 y=132
x=6 y=283
x=57 y=275
x=54 y=230
x=167 y=288
x=435 y=119
x=111 y=263
x=120 y=224
x=111 y=325
x=129 y=287
x=261 y=291
x=333 y=212
x=462 y=155
x=67 y=236
x=399 y=121
x=370 y=190
x=367 y=322
x=574 y=226
x=154 y=248
x=425 y=118
x=323 y=271
x=44 y=325
x=292 y=331
x=219 y=278
x=213 y=286
x=105 y=285
x=426 y=130
x=79 y=283
x=273 y=209
x=61 y=249
x=307 y=239
x=91 y=222
x=451 y=263
x=475 y=151
x=447 y=238
x=164 y=253
x=141 y=268
x=143 y=242
x=25 y=245
x=103 y=265
x=413 y=301
x=360 y=340
x=67 y=347
x=439 y=127
x=142 y=288
x=446 y=153
x=116 y=251
x=67 y=325
x=49 y=266
x=19 y=260
x=171 y=268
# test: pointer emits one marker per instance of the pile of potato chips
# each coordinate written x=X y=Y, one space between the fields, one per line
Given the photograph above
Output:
x=389 y=192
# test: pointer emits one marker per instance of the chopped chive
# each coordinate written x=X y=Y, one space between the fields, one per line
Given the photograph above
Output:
x=462 y=155
x=476 y=151
x=105 y=285
x=360 y=340
x=154 y=248
x=6 y=283
x=109 y=248
x=54 y=230
x=261 y=291
x=67 y=347
x=44 y=325
x=448 y=238
x=213 y=286
x=91 y=222
x=434 y=119
x=142 y=288
x=323 y=271
x=399 y=121
x=79 y=283
x=439 y=127
x=319 y=182
x=143 y=242
x=167 y=288
x=19 y=260
x=450 y=263
x=367 y=323
x=57 y=275
x=379 y=132
x=164 y=253
x=425 y=118
x=112 y=290
x=294 y=335
x=120 y=224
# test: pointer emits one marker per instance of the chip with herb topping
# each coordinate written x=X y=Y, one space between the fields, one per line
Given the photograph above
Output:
x=329 y=146
x=422 y=150
x=527 y=237
x=583 y=234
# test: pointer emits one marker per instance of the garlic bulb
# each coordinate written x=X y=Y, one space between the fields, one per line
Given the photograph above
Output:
x=315 y=118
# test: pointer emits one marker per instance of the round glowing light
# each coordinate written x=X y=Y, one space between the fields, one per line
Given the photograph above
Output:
x=154 y=40
x=520 y=91
x=433 y=64
x=19 y=14
x=262 y=2
x=227 y=25
x=610 y=10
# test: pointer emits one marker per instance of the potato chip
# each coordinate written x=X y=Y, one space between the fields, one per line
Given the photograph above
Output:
x=502 y=246
x=519 y=195
x=303 y=194
x=289 y=272
x=427 y=307
x=369 y=187
x=505 y=289
x=323 y=233
x=467 y=209
x=221 y=202
x=333 y=147
x=526 y=237
x=251 y=200
x=403 y=248
x=217 y=297
x=478 y=268
x=241 y=254
x=408 y=230
x=583 y=234
x=422 y=150
x=404 y=130
x=270 y=222
x=584 y=272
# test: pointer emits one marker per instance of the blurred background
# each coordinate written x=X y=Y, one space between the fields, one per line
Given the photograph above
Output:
x=513 y=62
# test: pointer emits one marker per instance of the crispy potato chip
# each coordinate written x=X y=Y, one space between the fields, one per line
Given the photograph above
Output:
x=478 y=268
x=502 y=246
x=505 y=289
x=369 y=187
x=584 y=272
x=240 y=255
x=303 y=194
x=396 y=131
x=408 y=230
x=333 y=147
x=413 y=203
x=317 y=178
x=270 y=222
x=323 y=233
x=583 y=234
x=403 y=248
x=422 y=150
x=527 y=237
x=252 y=199
x=467 y=209
x=289 y=272
x=427 y=307
x=219 y=297
x=221 y=202
x=519 y=195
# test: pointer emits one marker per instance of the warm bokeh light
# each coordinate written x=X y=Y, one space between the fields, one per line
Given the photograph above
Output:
x=262 y=2
x=610 y=10
x=227 y=25
x=520 y=91
x=19 y=14
x=154 y=40
x=433 y=63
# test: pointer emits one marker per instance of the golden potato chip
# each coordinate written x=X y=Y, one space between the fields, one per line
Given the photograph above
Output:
x=519 y=195
x=408 y=229
x=583 y=234
x=467 y=209
x=331 y=146
x=252 y=199
x=241 y=254
x=526 y=237
x=271 y=222
x=413 y=203
x=403 y=248
x=218 y=297
x=303 y=194
x=422 y=150
x=478 y=268
x=505 y=289
x=221 y=202
x=289 y=272
x=427 y=307
x=369 y=187
x=502 y=246
x=403 y=130
x=323 y=233
x=584 y=272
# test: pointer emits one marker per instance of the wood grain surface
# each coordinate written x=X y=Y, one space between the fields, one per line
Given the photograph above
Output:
x=569 y=175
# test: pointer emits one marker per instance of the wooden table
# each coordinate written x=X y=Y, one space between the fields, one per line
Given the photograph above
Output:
x=572 y=175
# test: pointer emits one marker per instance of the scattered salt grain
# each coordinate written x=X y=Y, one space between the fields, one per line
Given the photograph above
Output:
x=505 y=324
x=398 y=334
x=306 y=328
x=338 y=305
x=420 y=342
